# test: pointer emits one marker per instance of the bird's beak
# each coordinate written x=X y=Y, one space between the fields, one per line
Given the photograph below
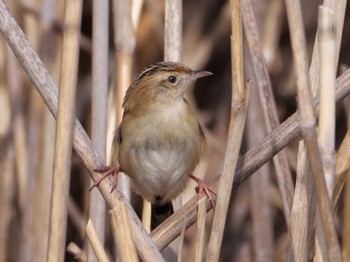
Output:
x=199 y=74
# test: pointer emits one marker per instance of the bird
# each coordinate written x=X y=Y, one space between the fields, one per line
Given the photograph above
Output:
x=160 y=140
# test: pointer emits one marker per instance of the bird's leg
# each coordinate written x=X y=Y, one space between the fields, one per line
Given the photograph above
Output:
x=107 y=171
x=206 y=189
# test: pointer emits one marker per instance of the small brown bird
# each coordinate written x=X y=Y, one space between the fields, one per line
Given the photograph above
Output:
x=159 y=141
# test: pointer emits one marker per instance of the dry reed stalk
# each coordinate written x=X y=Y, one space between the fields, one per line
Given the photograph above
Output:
x=268 y=104
x=173 y=46
x=44 y=187
x=272 y=31
x=262 y=229
x=76 y=252
x=225 y=185
x=146 y=215
x=202 y=212
x=180 y=244
x=95 y=242
x=326 y=135
x=122 y=234
x=64 y=131
x=303 y=212
x=100 y=52
x=50 y=51
x=239 y=105
x=91 y=159
x=136 y=10
x=173 y=31
x=250 y=162
x=308 y=128
x=339 y=8
x=173 y=41
x=124 y=42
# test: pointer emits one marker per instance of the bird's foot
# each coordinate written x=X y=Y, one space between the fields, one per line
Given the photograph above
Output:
x=204 y=188
x=107 y=171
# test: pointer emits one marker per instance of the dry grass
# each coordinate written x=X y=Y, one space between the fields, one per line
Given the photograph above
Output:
x=292 y=209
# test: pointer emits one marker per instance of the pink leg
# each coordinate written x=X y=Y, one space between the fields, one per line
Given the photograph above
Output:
x=107 y=171
x=206 y=189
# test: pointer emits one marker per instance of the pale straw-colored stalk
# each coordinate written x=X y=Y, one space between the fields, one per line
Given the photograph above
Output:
x=122 y=234
x=95 y=242
x=173 y=42
x=200 y=238
x=100 y=53
x=239 y=105
x=64 y=131
x=124 y=42
x=76 y=252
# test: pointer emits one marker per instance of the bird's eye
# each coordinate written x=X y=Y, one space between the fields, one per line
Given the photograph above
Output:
x=172 y=79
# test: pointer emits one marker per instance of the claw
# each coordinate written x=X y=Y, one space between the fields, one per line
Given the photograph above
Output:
x=206 y=189
x=107 y=171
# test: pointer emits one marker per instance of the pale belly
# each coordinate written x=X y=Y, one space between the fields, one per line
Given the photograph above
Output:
x=161 y=172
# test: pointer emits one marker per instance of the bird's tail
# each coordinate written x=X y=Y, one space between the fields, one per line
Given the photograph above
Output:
x=160 y=212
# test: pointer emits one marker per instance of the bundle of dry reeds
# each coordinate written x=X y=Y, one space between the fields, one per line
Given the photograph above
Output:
x=276 y=112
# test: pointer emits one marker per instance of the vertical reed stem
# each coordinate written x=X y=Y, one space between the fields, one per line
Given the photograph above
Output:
x=64 y=133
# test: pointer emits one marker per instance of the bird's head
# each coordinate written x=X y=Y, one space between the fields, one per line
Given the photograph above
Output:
x=162 y=82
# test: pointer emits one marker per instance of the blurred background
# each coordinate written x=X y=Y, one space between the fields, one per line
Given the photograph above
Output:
x=256 y=228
